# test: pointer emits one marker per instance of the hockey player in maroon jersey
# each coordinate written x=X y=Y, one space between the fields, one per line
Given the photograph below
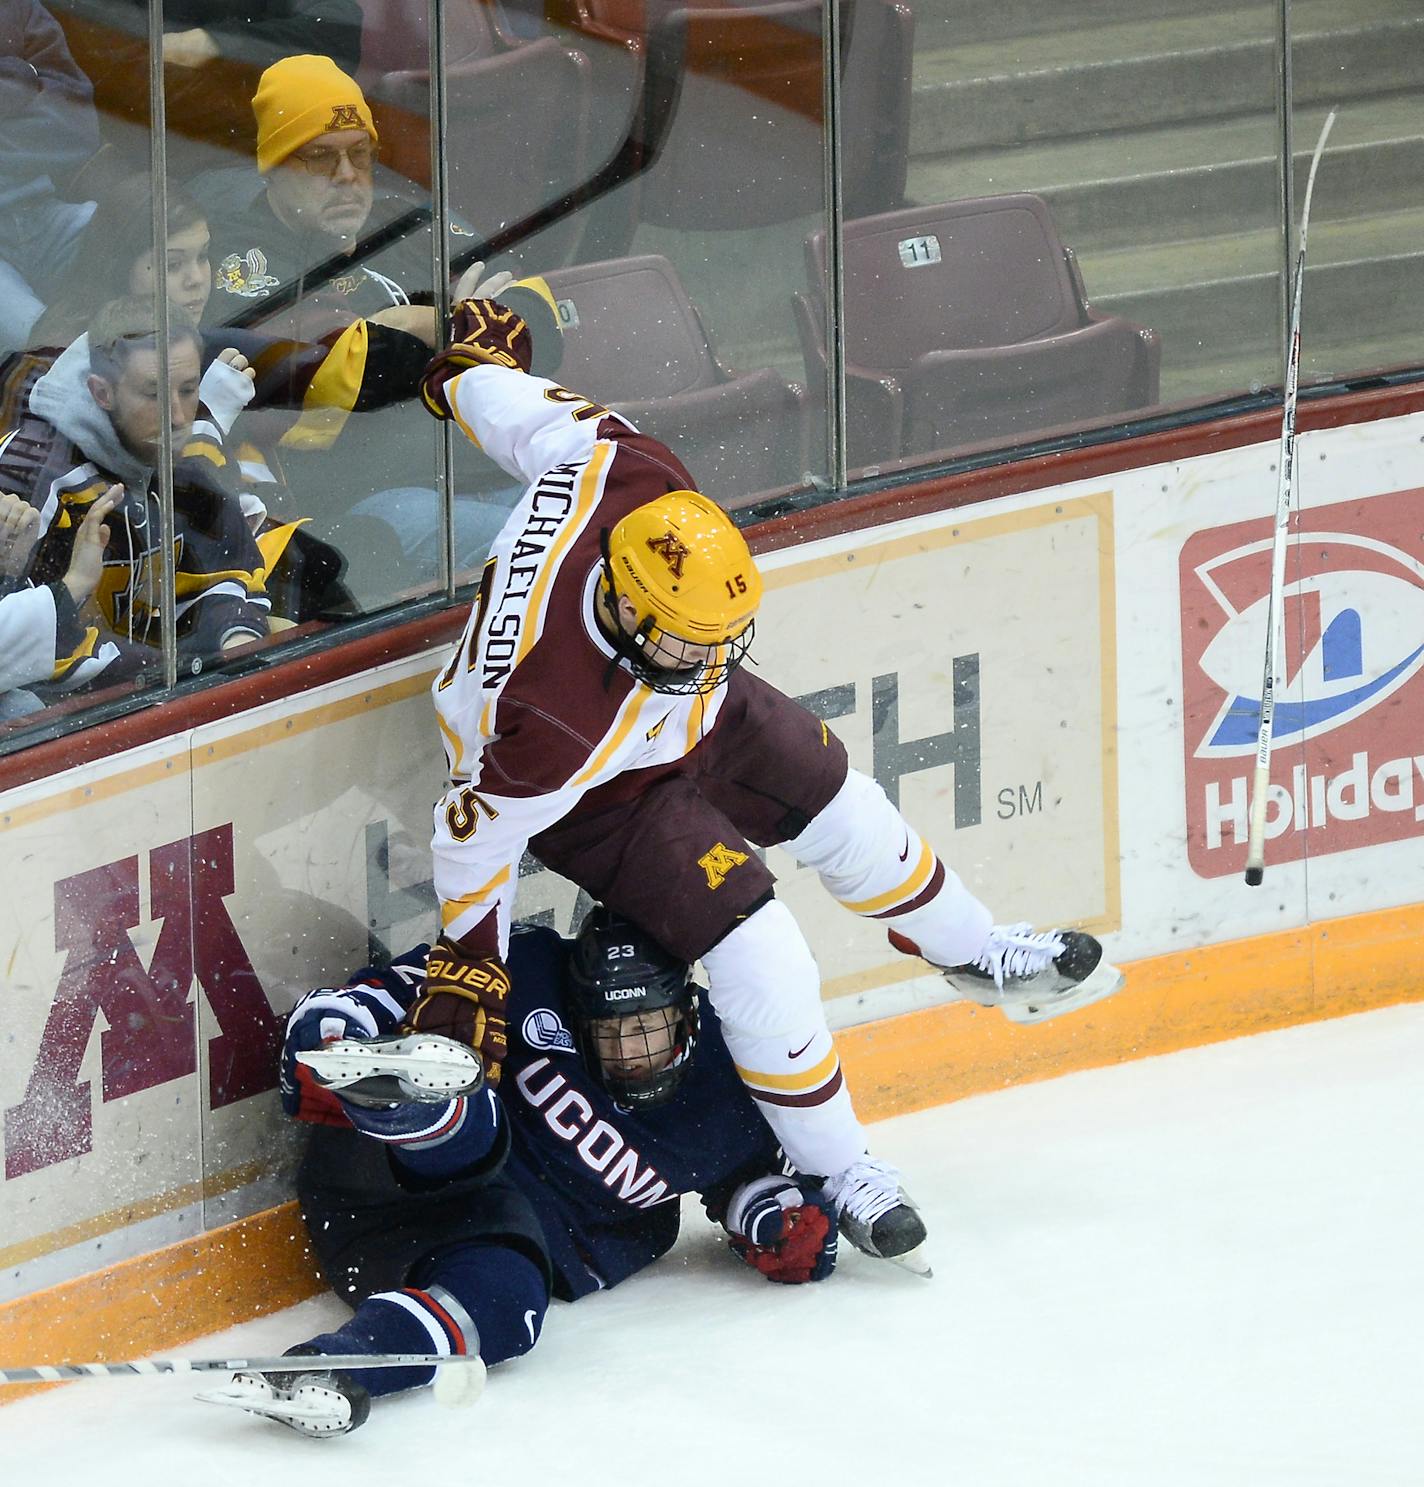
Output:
x=594 y=711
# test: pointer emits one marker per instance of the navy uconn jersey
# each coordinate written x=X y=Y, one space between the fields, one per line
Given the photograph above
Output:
x=604 y=1181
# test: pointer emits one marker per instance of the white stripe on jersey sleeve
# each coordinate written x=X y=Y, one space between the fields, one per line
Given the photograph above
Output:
x=517 y=422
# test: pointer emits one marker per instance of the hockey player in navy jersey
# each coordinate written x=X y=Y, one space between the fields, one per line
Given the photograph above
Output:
x=449 y=1214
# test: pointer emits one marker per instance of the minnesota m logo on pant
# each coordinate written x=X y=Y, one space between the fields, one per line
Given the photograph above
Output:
x=718 y=862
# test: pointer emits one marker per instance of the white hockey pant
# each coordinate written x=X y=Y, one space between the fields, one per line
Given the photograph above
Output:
x=765 y=987
x=875 y=863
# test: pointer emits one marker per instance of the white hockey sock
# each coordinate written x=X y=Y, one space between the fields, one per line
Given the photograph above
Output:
x=877 y=865
x=767 y=993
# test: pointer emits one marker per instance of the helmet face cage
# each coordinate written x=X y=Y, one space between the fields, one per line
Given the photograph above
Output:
x=701 y=676
x=639 y=1059
x=634 y=1010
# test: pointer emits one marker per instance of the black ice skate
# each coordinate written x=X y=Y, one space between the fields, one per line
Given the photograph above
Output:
x=399 y=1069
x=1031 y=977
x=318 y=1402
x=877 y=1216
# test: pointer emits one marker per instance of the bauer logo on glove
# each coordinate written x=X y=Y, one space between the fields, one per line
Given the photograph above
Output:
x=464 y=999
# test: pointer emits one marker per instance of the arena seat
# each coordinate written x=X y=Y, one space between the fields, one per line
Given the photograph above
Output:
x=968 y=322
x=634 y=341
x=745 y=147
x=508 y=157
x=395 y=38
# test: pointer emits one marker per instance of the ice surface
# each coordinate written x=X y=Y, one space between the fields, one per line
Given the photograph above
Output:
x=1200 y=1269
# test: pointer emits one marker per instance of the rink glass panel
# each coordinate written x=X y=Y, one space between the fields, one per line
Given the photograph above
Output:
x=55 y=273
x=1055 y=228
x=340 y=230
x=1092 y=208
x=1363 y=309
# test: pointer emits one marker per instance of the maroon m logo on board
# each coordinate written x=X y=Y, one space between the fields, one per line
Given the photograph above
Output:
x=151 y=1033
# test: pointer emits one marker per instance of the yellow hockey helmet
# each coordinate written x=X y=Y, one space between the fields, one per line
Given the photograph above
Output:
x=690 y=577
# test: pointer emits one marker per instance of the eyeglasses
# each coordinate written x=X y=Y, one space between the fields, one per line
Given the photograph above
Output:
x=322 y=160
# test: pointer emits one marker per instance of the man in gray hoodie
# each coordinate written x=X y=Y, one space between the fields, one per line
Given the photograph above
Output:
x=94 y=423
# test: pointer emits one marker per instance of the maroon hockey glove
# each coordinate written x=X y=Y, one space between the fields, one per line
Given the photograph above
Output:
x=465 y=999
x=784 y=1228
x=483 y=333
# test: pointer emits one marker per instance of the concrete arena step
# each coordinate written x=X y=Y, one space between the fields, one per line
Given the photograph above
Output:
x=1136 y=188
x=1141 y=74
x=963 y=22
x=1218 y=299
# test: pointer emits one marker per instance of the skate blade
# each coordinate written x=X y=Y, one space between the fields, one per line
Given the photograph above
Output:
x=311 y=1410
x=428 y=1070
x=916 y=1261
x=1104 y=981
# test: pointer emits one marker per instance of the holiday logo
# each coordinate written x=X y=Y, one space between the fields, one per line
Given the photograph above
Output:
x=1347 y=763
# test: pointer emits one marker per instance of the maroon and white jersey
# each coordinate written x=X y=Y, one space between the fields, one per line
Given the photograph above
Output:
x=535 y=708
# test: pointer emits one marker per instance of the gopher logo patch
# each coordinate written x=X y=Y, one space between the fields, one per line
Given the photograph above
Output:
x=245 y=275
x=344 y=116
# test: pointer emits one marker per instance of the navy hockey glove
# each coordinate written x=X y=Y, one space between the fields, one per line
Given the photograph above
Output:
x=465 y=999
x=785 y=1228
x=372 y=1005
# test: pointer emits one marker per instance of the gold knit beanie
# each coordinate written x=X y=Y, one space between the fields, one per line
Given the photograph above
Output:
x=299 y=98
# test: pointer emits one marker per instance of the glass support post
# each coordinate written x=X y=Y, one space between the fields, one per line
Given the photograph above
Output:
x=440 y=271
x=835 y=278
x=1285 y=104
x=158 y=172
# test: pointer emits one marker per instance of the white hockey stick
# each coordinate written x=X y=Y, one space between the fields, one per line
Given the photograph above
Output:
x=1285 y=490
x=53 y=1373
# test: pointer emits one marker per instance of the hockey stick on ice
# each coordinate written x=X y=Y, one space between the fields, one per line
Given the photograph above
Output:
x=53 y=1373
x=1285 y=491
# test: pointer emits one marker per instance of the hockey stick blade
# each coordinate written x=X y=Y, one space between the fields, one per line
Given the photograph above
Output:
x=54 y=1373
x=1285 y=489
